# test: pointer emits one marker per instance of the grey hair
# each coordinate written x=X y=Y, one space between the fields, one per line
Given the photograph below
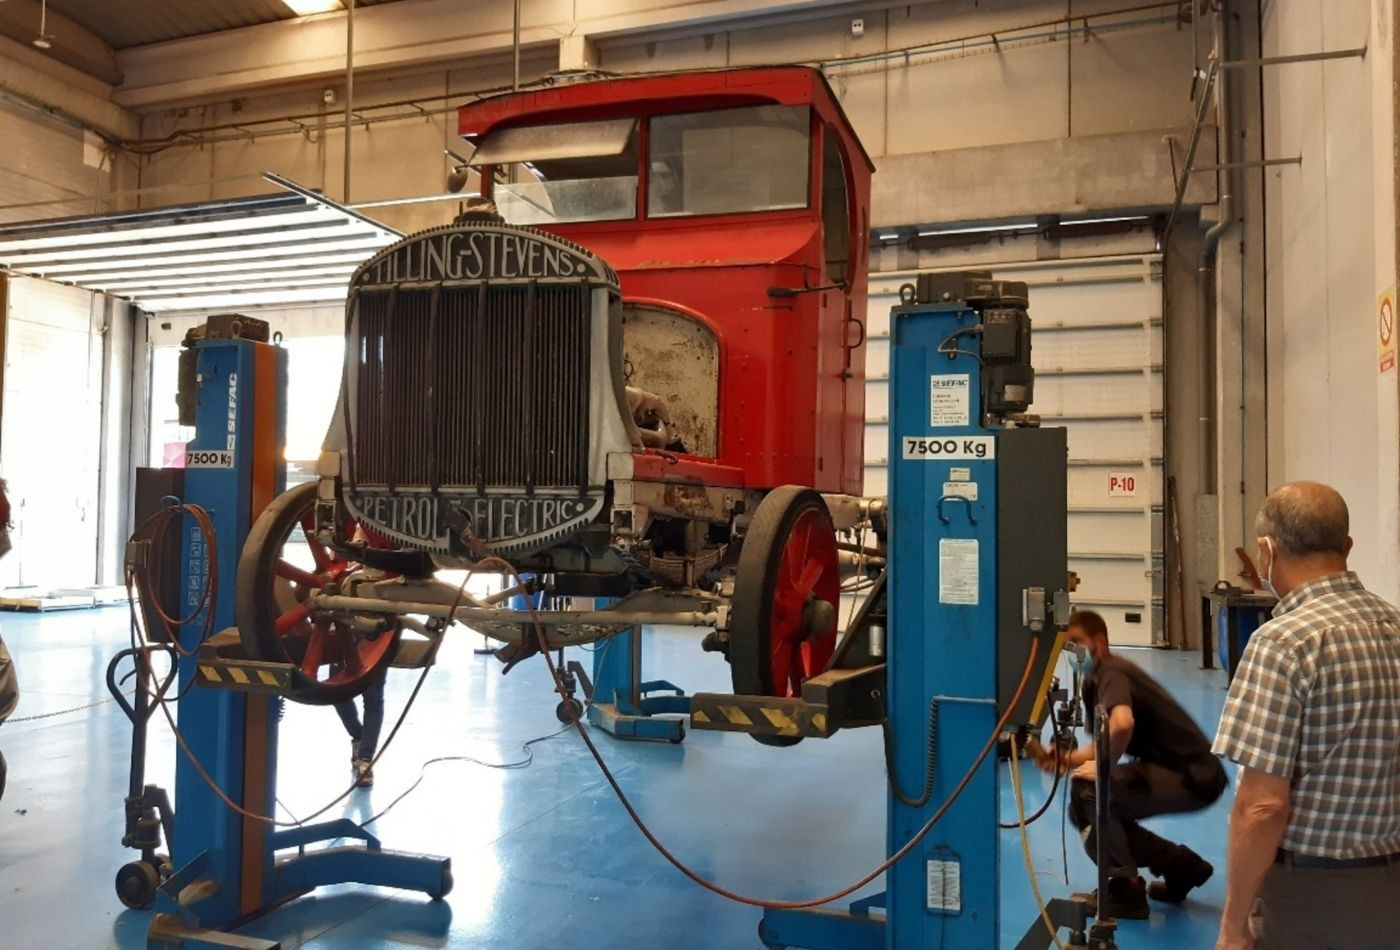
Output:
x=1305 y=518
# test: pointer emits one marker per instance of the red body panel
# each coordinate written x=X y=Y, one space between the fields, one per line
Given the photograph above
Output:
x=792 y=368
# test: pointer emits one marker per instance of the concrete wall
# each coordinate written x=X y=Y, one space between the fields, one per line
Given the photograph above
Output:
x=57 y=124
x=1331 y=251
x=1112 y=93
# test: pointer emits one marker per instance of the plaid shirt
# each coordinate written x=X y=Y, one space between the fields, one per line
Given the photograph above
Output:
x=1316 y=700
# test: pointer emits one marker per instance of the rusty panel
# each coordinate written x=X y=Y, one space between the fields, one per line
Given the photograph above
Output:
x=675 y=357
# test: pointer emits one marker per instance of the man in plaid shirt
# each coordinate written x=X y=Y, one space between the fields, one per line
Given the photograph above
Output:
x=1313 y=719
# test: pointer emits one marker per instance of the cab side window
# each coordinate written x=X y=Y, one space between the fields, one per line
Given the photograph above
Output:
x=836 y=210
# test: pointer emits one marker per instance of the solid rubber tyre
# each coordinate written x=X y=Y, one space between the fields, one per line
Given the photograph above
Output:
x=789 y=558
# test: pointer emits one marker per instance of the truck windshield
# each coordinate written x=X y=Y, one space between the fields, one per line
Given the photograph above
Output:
x=729 y=160
x=577 y=171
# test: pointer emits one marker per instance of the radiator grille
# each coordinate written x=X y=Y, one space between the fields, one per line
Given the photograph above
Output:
x=483 y=386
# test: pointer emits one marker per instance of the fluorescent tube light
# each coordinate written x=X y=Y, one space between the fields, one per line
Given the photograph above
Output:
x=308 y=7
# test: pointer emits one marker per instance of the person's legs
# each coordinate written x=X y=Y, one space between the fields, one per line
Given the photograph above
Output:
x=350 y=717
x=1142 y=789
x=374 y=716
x=1117 y=855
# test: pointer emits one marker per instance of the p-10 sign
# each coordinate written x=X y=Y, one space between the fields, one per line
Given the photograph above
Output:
x=1122 y=484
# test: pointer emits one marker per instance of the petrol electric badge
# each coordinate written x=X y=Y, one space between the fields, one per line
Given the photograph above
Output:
x=452 y=523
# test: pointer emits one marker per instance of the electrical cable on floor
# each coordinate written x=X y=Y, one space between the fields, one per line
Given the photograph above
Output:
x=505 y=766
x=1026 y=844
x=57 y=712
x=679 y=865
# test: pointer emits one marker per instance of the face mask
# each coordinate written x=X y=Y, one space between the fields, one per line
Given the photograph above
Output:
x=1268 y=577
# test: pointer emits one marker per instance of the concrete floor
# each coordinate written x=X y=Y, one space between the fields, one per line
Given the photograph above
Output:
x=542 y=856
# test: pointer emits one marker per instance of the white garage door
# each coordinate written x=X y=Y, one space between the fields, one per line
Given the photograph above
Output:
x=52 y=419
x=1097 y=350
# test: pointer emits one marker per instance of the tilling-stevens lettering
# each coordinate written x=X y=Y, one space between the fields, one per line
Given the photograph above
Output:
x=472 y=255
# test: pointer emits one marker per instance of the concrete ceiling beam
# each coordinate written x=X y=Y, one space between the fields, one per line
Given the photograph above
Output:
x=413 y=33
x=72 y=45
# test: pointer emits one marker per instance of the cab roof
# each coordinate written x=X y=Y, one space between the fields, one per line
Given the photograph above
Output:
x=658 y=94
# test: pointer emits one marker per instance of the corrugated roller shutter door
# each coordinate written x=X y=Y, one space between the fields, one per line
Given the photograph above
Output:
x=1097 y=349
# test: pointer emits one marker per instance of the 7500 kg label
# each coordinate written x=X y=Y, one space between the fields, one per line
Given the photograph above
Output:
x=207 y=458
x=955 y=447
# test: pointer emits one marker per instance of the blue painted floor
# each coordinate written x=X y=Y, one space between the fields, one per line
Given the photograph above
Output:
x=543 y=856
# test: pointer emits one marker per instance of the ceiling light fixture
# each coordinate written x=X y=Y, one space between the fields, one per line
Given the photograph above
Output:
x=308 y=7
x=44 y=40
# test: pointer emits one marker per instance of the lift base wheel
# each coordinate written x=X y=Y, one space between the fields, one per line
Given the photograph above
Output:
x=568 y=711
x=282 y=563
x=136 y=884
x=786 y=595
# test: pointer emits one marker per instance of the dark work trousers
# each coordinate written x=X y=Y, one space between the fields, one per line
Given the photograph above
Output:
x=1139 y=790
x=1329 y=909
x=366 y=734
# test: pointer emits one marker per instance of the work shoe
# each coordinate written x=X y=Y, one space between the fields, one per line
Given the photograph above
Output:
x=1127 y=900
x=1188 y=871
x=364 y=775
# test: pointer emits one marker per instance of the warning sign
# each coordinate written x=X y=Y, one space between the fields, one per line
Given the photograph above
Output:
x=957 y=571
x=1385 y=330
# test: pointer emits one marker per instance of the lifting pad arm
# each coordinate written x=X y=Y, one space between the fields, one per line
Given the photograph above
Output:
x=830 y=701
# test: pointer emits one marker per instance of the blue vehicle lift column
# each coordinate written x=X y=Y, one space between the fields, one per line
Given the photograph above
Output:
x=226 y=865
x=977 y=573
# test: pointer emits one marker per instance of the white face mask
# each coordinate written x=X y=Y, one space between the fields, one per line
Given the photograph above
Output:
x=1268 y=578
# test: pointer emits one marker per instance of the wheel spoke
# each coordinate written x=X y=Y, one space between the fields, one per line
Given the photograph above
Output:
x=303 y=578
x=782 y=666
x=315 y=650
x=323 y=558
x=291 y=619
x=811 y=573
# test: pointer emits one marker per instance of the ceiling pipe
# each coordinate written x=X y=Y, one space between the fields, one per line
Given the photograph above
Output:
x=349 y=91
x=1210 y=243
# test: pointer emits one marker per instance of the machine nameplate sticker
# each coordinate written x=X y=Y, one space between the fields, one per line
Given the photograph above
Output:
x=208 y=458
x=959 y=474
x=944 y=887
x=957 y=571
x=966 y=490
x=953 y=447
x=950 y=400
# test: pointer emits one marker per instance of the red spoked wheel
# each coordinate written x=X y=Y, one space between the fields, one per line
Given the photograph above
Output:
x=782 y=628
x=281 y=564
